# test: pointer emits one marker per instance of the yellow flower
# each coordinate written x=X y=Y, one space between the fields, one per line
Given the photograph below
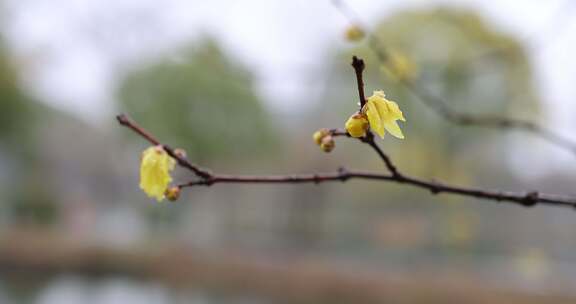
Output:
x=382 y=115
x=399 y=67
x=357 y=125
x=354 y=33
x=155 y=172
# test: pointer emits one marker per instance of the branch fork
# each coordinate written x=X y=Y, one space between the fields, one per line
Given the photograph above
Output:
x=206 y=178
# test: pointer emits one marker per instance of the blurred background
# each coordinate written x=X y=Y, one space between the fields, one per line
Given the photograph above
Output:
x=241 y=86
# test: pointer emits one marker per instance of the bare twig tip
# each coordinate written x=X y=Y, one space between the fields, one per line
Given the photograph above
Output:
x=122 y=119
x=358 y=63
x=208 y=178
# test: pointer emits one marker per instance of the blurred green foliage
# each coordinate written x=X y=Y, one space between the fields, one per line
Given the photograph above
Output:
x=475 y=67
x=202 y=102
x=16 y=109
x=460 y=59
x=476 y=70
x=29 y=199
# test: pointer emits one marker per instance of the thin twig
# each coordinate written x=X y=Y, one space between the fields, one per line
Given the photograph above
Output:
x=207 y=178
x=442 y=107
x=525 y=199
x=124 y=120
x=369 y=139
x=358 y=65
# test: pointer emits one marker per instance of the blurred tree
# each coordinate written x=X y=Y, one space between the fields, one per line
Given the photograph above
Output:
x=29 y=199
x=202 y=102
x=445 y=45
x=476 y=70
x=16 y=109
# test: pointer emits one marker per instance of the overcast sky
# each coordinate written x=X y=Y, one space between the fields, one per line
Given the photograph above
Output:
x=73 y=51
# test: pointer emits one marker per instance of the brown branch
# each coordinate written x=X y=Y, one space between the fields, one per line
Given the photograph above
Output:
x=342 y=175
x=525 y=199
x=369 y=139
x=358 y=65
x=339 y=132
x=124 y=120
x=442 y=107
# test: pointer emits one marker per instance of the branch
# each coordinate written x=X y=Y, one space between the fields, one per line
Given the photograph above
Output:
x=525 y=199
x=442 y=107
x=342 y=175
x=358 y=65
x=124 y=120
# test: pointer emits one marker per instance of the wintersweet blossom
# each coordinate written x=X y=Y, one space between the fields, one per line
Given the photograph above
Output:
x=354 y=33
x=399 y=67
x=357 y=125
x=382 y=115
x=155 y=172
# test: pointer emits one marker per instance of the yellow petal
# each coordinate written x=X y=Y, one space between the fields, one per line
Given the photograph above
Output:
x=171 y=163
x=383 y=114
x=395 y=110
x=155 y=172
x=383 y=110
x=392 y=127
x=374 y=117
x=378 y=94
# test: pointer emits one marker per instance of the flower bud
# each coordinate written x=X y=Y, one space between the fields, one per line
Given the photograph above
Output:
x=357 y=125
x=354 y=33
x=172 y=193
x=180 y=152
x=327 y=144
x=399 y=67
x=320 y=134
